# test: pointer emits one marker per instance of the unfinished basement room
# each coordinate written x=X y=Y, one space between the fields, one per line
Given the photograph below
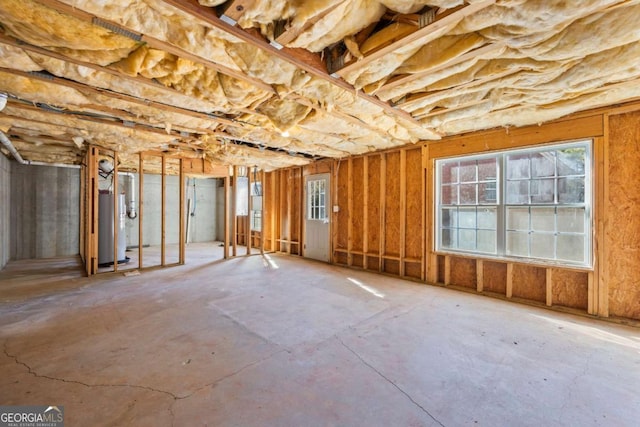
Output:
x=320 y=213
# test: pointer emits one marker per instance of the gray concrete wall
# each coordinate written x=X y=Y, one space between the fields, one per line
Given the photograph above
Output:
x=205 y=216
x=203 y=222
x=45 y=211
x=5 y=203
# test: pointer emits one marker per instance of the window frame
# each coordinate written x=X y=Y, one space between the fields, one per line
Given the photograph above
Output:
x=502 y=206
x=314 y=210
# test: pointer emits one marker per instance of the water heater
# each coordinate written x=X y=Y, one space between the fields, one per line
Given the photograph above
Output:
x=106 y=226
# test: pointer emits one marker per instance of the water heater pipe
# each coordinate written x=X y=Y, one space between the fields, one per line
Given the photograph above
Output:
x=131 y=206
x=9 y=145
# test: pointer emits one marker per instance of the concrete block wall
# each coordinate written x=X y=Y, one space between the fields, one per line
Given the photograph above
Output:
x=45 y=211
x=203 y=215
x=5 y=203
x=203 y=222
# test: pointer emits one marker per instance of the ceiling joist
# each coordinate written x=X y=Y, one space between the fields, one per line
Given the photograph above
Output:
x=155 y=43
x=208 y=15
x=440 y=21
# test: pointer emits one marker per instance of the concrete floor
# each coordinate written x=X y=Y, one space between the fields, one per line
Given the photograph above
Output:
x=282 y=341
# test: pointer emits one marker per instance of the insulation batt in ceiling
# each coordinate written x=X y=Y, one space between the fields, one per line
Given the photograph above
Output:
x=206 y=91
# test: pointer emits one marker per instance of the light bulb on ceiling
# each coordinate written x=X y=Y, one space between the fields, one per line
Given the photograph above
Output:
x=285 y=134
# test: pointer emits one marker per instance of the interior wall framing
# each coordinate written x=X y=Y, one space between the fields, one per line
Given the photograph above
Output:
x=385 y=216
x=5 y=209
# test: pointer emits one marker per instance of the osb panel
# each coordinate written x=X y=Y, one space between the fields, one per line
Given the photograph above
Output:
x=529 y=283
x=357 y=203
x=391 y=266
x=463 y=272
x=340 y=258
x=570 y=288
x=412 y=269
x=622 y=230
x=342 y=197
x=317 y=167
x=413 y=242
x=440 y=269
x=357 y=260
x=373 y=263
x=494 y=277
x=392 y=205
x=373 y=222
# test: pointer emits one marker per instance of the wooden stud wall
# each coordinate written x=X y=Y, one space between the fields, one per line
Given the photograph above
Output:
x=621 y=255
x=282 y=193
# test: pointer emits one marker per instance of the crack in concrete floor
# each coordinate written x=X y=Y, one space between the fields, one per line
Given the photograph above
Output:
x=422 y=408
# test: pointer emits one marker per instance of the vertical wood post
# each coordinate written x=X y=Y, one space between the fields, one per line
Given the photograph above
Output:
x=163 y=208
x=403 y=210
x=140 y=207
x=183 y=231
x=226 y=215
x=116 y=211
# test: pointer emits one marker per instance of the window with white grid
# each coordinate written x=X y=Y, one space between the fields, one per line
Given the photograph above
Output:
x=316 y=199
x=533 y=203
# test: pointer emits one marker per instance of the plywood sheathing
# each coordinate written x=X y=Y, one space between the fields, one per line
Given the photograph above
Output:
x=413 y=214
x=494 y=277
x=357 y=218
x=570 y=288
x=622 y=227
x=341 y=195
x=373 y=212
x=392 y=205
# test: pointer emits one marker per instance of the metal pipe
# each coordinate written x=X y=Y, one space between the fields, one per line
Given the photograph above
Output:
x=9 y=145
x=131 y=205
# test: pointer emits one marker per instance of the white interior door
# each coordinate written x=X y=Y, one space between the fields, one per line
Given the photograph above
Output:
x=317 y=214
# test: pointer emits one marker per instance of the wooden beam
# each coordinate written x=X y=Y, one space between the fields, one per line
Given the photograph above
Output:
x=183 y=230
x=441 y=22
x=424 y=255
x=274 y=208
x=85 y=89
x=209 y=16
x=262 y=212
x=236 y=8
x=407 y=78
x=300 y=211
x=234 y=211
x=155 y=43
x=403 y=209
x=82 y=210
x=94 y=210
x=479 y=275
x=247 y=227
x=115 y=211
x=349 y=211
x=383 y=207
x=509 y=292
x=80 y=117
x=292 y=33
x=163 y=216
x=289 y=188
x=549 y=287
x=226 y=215
x=447 y=270
x=365 y=213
